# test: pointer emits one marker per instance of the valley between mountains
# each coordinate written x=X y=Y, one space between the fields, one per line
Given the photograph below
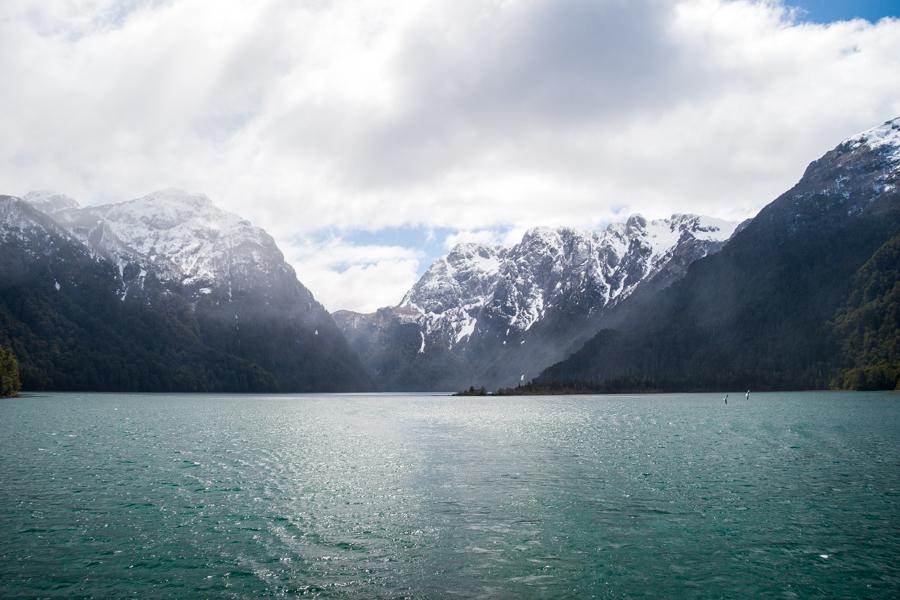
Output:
x=168 y=292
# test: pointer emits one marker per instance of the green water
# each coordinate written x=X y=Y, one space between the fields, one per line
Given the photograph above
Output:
x=784 y=496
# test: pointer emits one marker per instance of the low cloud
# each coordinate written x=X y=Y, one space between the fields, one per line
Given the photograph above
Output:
x=354 y=277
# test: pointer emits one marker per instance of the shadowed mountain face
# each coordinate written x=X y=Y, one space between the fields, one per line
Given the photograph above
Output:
x=868 y=325
x=489 y=315
x=761 y=313
x=166 y=292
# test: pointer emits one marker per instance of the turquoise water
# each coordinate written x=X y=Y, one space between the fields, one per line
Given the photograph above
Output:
x=785 y=496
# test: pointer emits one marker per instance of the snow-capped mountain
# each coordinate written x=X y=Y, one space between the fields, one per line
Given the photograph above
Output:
x=183 y=239
x=21 y=220
x=50 y=202
x=484 y=304
x=844 y=182
x=448 y=298
x=551 y=269
x=174 y=255
x=803 y=297
x=883 y=140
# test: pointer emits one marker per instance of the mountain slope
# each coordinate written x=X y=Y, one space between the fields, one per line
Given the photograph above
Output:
x=868 y=325
x=487 y=315
x=757 y=313
x=162 y=293
x=61 y=313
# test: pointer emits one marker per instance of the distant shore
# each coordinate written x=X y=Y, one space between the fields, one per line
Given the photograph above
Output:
x=619 y=386
x=568 y=388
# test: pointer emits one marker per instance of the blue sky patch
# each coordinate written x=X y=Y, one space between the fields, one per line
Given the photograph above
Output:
x=826 y=11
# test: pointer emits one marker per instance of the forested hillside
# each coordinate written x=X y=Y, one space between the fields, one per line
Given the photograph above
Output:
x=760 y=314
x=868 y=325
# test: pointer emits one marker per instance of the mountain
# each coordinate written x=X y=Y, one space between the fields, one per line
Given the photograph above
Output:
x=806 y=288
x=166 y=292
x=50 y=202
x=185 y=240
x=488 y=315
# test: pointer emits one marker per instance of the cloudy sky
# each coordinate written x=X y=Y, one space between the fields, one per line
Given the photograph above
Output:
x=368 y=136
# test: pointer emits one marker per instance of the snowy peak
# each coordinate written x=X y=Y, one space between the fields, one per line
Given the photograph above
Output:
x=449 y=296
x=571 y=270
x=476 y=287
x=884 y=138
x=184 y=237
x=701 y=227
x=49 y=202
x=166 y=209
x=464 y=275
x=14 y=214
x=20 y=218
x=471 y=259
x=668 y=231
x=635 y=224
x=846 y=181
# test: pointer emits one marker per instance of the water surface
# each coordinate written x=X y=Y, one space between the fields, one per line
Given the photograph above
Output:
x=388 y=496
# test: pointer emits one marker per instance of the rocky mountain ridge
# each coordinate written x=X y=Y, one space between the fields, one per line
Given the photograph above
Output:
x=480 y=305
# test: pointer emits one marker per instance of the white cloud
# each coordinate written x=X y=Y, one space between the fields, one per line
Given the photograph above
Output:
x=475 y=115
x=355 y=277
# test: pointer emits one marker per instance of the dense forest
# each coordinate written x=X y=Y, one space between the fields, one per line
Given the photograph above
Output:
x=868 y=325
x=83 y=337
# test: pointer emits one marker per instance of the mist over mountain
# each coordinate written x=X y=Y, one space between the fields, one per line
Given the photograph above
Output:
x=165 y=292
x=805 y=296
x=169 y=292
x=491 y=315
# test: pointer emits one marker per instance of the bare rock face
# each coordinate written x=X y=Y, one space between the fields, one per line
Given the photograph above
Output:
x=488 y=315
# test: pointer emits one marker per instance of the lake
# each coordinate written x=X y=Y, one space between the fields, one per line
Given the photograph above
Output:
x=784 y=495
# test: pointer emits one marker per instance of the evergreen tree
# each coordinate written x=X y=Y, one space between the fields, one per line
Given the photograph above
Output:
x=10 y=385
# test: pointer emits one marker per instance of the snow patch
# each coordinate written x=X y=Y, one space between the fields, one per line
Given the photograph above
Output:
x=884 y=138
x=465 y=330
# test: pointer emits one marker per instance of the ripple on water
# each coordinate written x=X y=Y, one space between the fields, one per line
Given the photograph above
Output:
x=405 y=496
